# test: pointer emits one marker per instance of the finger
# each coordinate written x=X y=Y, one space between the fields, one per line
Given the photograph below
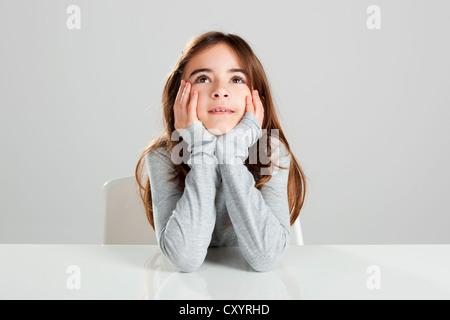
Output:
x=257 y=102
x=193 y=104
x=259 y=107
x=249 y=105
x=180 y=92
x=186 y=94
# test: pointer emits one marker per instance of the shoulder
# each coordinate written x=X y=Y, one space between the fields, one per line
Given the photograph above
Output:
x=158 y=155
x=161 y=151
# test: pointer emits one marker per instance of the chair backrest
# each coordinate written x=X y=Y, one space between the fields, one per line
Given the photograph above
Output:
x=296 y=233
x=125 y=221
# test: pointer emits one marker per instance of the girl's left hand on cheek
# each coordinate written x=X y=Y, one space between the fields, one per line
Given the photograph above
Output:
x=254 y=105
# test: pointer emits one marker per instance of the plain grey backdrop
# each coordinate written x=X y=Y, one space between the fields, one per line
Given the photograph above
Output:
x=365 y=111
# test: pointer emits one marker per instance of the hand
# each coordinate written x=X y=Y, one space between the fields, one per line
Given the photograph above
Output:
x=255 y=106
x=185 y=106
x=246 y=133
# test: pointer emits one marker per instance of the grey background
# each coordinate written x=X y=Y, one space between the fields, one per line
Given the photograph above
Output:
x=366 y=112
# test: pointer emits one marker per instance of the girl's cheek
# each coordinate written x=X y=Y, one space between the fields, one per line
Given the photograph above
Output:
x=202 y=105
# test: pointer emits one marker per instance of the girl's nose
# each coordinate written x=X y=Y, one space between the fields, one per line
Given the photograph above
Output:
x=220 y=94
x=220 y=90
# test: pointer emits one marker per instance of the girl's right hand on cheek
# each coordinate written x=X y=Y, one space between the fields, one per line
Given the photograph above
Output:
x=185 y=106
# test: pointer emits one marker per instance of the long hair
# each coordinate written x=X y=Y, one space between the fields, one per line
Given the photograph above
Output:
x=256 y=80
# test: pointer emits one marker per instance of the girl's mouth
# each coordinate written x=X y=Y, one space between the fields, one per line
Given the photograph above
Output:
x=221 y=112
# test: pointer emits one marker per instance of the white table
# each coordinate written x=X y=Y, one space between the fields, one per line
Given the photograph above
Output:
x=306 y=272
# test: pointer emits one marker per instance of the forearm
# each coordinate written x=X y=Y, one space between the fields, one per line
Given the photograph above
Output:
x=261 y=235
x=186 y=236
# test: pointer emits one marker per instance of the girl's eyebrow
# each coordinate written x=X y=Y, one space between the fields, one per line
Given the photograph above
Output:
x=232 y=70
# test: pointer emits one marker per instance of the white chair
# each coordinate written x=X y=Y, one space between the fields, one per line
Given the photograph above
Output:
x=296 y=233
x=125 y=220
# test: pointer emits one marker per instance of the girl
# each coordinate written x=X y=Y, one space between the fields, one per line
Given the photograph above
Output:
x=218 y=92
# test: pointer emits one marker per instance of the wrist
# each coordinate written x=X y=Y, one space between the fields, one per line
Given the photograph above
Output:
x=233 y=147
x=200 y=144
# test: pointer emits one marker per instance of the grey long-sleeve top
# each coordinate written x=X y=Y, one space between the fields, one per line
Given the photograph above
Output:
x=220 y=205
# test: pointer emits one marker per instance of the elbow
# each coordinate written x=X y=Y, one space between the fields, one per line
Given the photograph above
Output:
x=265 y=263
x=186 y=265
x=182 y=259
x=185 y=256
x=267 y=258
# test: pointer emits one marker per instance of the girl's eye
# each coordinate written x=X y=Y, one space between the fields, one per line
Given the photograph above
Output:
x=240 y=79
x=204 y=77
x=200 y=77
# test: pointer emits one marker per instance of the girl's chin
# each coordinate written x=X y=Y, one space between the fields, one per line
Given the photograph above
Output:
x=220 y=128
x=218 y=132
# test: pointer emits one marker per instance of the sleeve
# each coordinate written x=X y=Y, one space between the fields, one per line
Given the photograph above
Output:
x=185 y=219
x=260 y=218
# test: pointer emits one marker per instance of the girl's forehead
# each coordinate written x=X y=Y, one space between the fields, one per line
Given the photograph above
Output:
x=219 y=56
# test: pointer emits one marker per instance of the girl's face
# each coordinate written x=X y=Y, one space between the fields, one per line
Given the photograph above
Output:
x=221 y=83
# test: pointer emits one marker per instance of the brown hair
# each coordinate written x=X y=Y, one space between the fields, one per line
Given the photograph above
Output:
x=256 y=80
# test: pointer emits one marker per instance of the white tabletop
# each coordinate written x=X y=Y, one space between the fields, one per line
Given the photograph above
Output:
x=306 y=272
